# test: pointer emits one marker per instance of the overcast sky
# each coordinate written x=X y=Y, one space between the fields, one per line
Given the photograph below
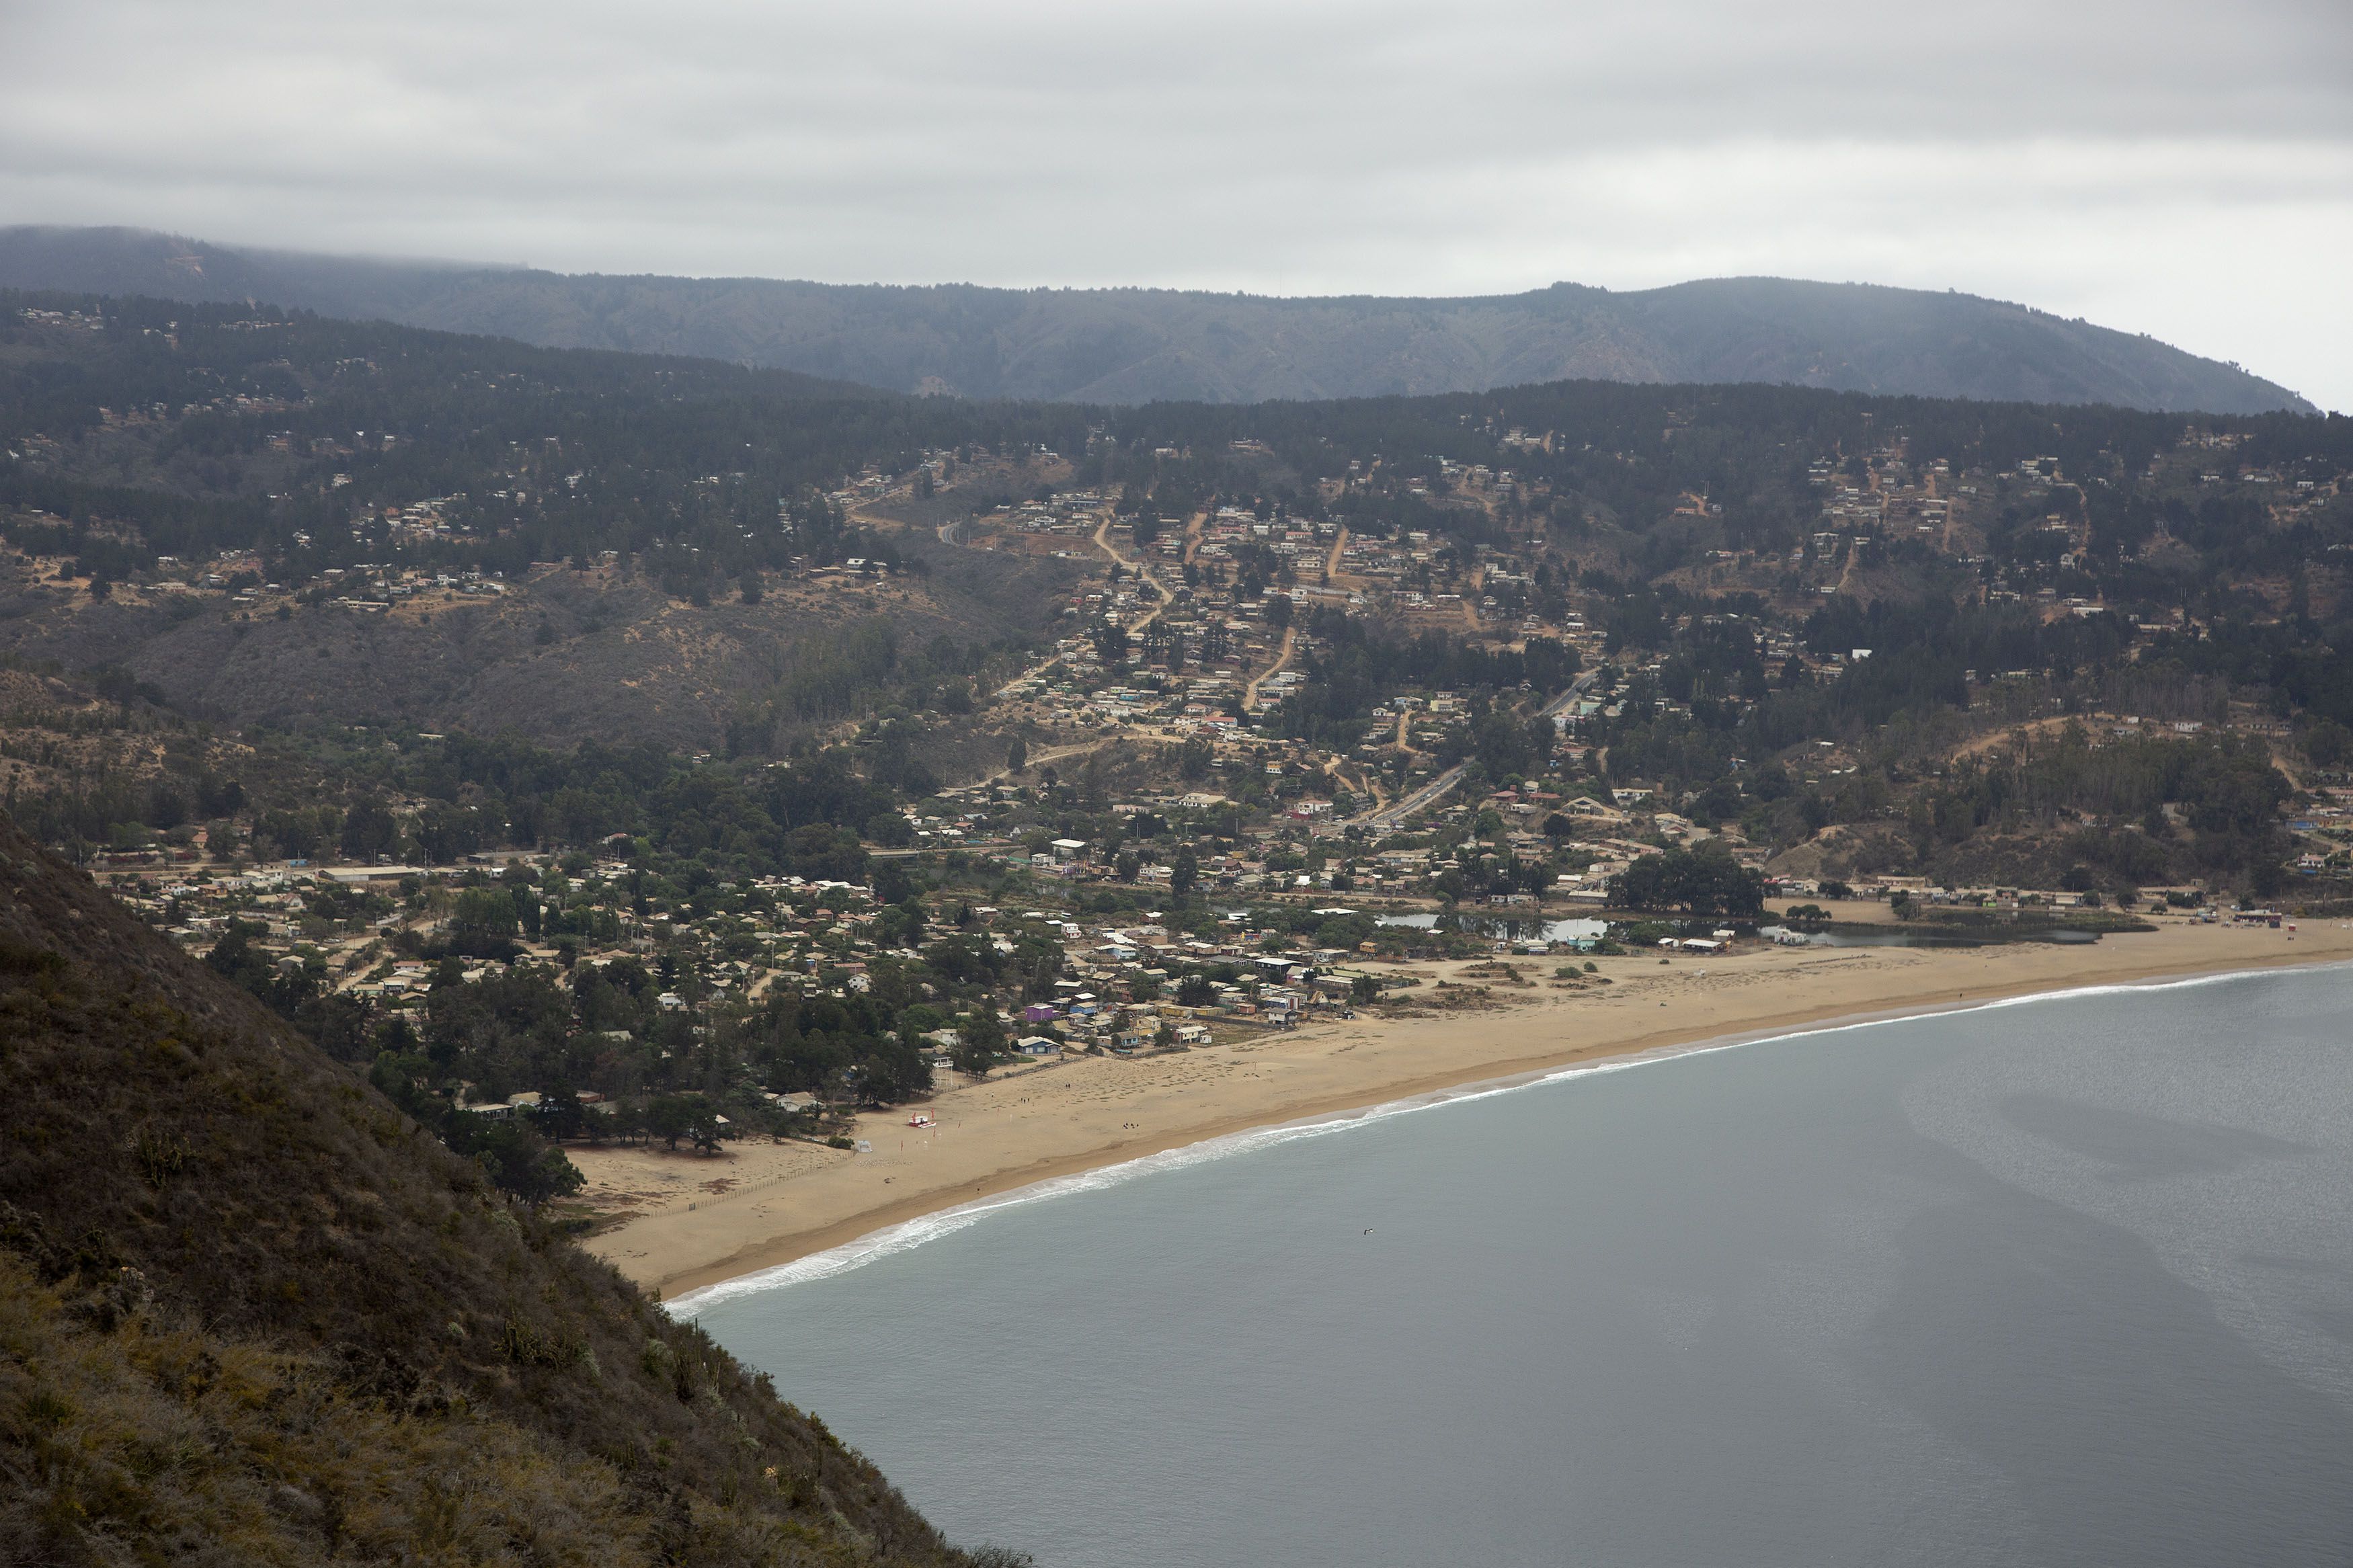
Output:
x=2184 y=170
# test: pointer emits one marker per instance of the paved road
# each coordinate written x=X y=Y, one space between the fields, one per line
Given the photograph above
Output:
x=1281 y=661
x=1438 y=788
x=1142 y=567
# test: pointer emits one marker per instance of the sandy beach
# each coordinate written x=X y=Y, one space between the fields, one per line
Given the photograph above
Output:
x=694 y=1220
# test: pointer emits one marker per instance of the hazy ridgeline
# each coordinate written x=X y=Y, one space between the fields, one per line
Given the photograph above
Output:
x=1139 y=345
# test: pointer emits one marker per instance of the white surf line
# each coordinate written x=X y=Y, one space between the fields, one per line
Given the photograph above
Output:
x=893 y=1239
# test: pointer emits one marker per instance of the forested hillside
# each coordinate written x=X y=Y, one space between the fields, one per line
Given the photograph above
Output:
x=1137 y=345
x=236 y=450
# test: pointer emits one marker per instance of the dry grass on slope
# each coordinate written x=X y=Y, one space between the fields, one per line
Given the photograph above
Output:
x=130 y=1441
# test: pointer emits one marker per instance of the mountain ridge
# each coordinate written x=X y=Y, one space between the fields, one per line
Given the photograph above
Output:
x=1134 y=344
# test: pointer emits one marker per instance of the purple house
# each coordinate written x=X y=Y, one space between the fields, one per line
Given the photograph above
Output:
x=1038 y=1013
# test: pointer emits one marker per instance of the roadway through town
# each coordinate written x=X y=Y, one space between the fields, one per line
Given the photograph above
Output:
x=1386 y=817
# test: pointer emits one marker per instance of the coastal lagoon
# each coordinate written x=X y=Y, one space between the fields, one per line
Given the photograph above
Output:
x=2067 y=1280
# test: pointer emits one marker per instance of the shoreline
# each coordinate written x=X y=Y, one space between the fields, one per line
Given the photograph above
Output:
x=993 y=1146
x=691 y=1299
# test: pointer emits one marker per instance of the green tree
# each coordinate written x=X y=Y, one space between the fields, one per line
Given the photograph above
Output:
x=669 y=1117
x=368 y=830
x=1702 y=882
x=900 y=924
x=489 y=912
x=980 y=1043
x=523 y=1163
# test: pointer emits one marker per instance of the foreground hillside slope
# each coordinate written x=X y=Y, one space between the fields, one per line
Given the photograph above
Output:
x=251 y=1314
x=1137 y=345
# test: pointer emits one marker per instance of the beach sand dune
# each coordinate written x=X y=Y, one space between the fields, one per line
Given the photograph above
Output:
x=695 y=1220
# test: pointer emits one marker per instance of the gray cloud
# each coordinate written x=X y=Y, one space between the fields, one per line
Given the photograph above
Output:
x=2185 y=170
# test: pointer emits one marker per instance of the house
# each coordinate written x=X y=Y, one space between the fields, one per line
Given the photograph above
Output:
x=362 y=875
x=1037 y=1045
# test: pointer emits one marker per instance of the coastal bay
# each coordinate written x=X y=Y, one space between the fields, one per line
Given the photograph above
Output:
x=2054 y=1281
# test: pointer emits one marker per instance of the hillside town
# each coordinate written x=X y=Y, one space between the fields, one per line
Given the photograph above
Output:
x=1013 y=751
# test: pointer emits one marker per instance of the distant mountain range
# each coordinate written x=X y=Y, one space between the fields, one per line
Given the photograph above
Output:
x=1138 y=345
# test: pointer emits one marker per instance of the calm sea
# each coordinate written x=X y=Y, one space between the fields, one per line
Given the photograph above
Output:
x=2068 y=1281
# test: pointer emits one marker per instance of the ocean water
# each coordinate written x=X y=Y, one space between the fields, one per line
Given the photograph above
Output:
x=2066 y=1281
